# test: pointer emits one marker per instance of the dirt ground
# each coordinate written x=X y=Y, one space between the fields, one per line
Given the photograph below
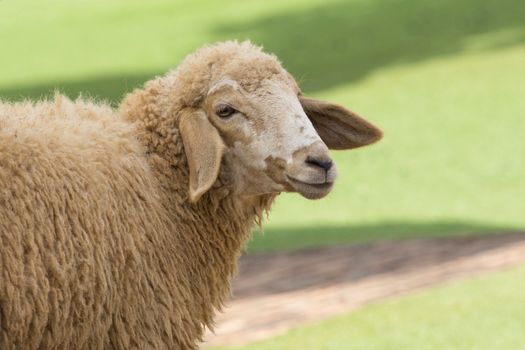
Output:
x=276 y=292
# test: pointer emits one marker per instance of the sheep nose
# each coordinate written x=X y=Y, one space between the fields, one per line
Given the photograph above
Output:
x=324 y=163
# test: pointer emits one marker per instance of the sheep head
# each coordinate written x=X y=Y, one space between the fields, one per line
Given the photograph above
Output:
x=242 y=116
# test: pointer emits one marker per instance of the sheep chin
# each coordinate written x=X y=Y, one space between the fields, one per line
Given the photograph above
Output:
x=311 y=190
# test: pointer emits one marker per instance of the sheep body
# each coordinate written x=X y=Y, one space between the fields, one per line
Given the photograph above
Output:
x=94 y=236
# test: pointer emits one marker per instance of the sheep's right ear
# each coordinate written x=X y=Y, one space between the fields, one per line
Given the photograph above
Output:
x=204 y=149
x=338 y=127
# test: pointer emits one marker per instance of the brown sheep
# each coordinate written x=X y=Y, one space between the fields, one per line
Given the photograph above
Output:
x=121 y=230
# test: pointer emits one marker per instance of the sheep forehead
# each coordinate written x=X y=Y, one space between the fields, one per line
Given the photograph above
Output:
x=222 y=83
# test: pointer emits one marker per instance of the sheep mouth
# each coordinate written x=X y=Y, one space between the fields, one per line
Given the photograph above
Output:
x=311 y=190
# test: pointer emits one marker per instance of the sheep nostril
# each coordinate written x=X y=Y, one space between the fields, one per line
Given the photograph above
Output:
x=326 y=164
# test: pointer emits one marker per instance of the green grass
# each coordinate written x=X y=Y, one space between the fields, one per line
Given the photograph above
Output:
x=281 y=238
x=482 y=313
x=444 y=79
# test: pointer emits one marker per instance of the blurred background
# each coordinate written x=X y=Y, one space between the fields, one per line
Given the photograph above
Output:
x=429 y=219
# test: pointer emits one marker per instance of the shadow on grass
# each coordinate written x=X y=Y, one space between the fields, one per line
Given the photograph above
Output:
x=110 y=88
x=382 y=250
x=293 y=238
x=341 y=42
x=344 y=41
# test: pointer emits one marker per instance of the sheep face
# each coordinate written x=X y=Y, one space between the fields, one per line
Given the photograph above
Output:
x=271 y=145
x=268 y=140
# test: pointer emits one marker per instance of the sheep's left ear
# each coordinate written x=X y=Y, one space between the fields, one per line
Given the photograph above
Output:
x=204 y=149
x=338 y=127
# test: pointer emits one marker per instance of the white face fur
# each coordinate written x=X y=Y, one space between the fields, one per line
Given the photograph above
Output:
x=271 y=144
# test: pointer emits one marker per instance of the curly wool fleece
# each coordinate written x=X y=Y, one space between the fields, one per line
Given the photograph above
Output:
x=100 y=247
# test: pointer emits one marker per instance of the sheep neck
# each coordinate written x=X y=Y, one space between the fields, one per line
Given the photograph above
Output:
x=198 y=251
x=210 y=233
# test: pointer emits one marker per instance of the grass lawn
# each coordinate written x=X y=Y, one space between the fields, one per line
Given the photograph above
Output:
x=482 y=313
x=444 y=79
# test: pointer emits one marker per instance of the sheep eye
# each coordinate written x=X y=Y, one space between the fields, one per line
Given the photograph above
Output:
x=224 y=111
